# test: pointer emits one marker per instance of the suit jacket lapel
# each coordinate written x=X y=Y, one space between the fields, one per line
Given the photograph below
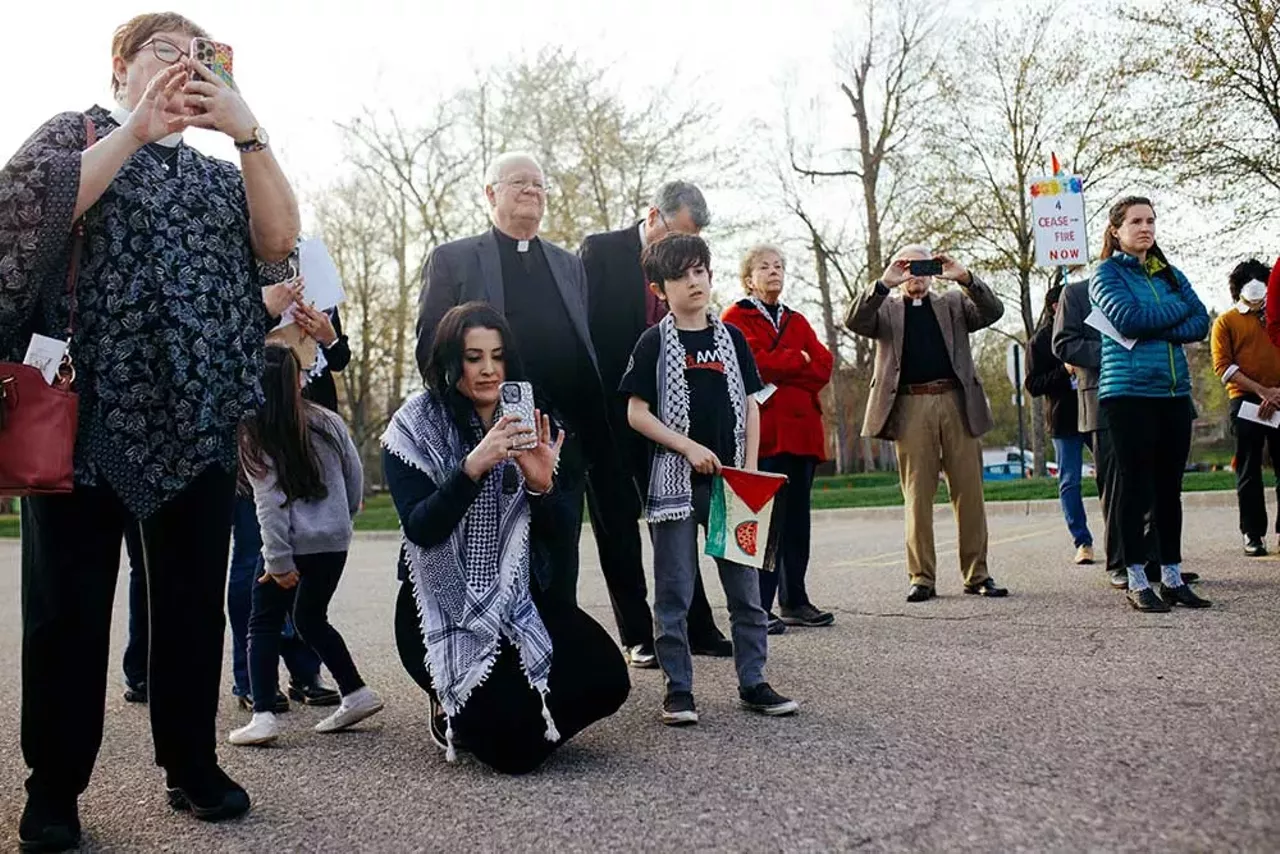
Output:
x=491 y=271
x=564 y=284
x=941 y=311
x=635 y=297
x=898 y=323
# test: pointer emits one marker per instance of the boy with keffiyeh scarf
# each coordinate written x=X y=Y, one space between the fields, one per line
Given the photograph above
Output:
x=689 y=384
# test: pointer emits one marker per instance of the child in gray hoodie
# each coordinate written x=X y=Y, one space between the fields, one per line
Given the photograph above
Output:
x=307 y=484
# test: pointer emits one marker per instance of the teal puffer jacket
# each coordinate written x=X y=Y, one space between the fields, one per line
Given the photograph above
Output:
x=1141 y=304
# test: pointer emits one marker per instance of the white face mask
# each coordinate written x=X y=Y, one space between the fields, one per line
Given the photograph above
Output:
x=1253 y=291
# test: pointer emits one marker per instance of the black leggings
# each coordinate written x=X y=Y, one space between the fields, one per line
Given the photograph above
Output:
x=1151 y=437
x=308 y=601
x=502 y=723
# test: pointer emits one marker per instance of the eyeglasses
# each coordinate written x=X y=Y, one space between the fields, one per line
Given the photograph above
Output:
x=522 y=184
x=165 y=51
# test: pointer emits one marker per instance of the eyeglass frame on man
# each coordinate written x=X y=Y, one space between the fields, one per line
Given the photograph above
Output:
x=152 y=44
x=520 y=185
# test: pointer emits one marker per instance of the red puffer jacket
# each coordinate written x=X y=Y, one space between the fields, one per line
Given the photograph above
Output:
x=790 y=420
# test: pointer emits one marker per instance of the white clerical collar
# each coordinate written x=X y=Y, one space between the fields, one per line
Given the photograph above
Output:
x=120 y=115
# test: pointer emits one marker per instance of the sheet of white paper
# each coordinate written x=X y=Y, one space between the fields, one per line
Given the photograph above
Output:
x=45 y=355
x=1099 y=321
x=765 y=393
x=324 y=285
x=1249 y=412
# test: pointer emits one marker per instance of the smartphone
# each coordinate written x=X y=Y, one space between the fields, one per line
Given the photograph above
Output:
x=214 y=56
x=927 y=267
x=517 y=399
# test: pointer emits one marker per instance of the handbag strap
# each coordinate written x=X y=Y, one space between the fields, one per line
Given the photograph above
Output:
x=77 y=241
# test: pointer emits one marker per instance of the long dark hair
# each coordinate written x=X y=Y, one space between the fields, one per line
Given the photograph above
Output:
x=444 y=367
x=279 y=433
x=1111 y=243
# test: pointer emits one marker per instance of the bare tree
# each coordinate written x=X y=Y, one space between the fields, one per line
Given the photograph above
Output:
x=1017 y=90
x=1215 y=119
x=886 y=88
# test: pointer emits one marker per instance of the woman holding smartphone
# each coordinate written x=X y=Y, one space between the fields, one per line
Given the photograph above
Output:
x=511 y=673
x=1145 y=393
x=168 y=326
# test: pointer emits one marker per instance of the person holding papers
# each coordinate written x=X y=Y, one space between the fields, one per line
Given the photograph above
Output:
x=795 y=367
x=1144 y=391
x=690 y=384
x=1249 y=364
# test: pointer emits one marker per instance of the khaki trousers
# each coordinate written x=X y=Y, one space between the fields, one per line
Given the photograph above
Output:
x=933 y=438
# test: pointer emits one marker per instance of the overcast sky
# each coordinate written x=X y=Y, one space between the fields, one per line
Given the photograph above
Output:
x=302 y=66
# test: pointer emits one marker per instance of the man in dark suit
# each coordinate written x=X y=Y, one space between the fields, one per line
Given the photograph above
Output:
x=622 y=307
x=541 y=289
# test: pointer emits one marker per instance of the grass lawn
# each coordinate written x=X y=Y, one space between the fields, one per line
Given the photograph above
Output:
x=879 y=489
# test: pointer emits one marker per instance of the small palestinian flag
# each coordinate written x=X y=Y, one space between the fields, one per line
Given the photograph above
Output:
x=740 y=526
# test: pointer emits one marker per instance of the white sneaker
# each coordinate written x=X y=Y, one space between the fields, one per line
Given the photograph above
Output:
x=354 y=708
x=263 y=728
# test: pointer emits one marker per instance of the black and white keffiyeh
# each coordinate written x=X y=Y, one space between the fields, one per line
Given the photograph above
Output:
x=473 y=589
x=671 y=477
x=769 y=316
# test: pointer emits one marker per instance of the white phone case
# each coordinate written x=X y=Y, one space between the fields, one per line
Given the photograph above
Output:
x=517 y=399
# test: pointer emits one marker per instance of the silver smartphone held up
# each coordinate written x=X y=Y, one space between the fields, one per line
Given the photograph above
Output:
x=517 y=399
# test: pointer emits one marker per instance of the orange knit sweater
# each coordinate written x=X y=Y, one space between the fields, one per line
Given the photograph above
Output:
x=1241 y=339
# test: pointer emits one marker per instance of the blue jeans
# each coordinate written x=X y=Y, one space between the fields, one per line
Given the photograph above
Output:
x=1070 y=453
x=675 y=565
x=246 y=567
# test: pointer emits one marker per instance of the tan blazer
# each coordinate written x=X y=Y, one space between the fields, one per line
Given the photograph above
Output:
x=960 y=311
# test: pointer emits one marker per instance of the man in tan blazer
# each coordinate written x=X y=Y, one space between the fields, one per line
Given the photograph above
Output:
x=927 y=398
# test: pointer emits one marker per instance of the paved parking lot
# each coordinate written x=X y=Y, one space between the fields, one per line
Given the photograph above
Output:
x=1055 y=720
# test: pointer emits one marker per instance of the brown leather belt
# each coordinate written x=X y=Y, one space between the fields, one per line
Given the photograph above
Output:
x=935 y=387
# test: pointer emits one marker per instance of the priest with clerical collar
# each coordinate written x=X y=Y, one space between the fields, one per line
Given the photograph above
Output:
x=541 y=289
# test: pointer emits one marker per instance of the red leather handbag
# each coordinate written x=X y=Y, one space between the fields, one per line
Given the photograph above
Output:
x=38 y=420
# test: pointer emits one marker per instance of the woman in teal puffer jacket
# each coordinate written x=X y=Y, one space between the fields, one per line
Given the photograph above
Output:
x=1145 y=392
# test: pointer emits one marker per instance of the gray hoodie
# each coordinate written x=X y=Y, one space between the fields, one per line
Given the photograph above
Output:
x=311 y=527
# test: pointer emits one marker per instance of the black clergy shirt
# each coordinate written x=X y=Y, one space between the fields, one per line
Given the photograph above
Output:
x=924 y=350
x=554 y=358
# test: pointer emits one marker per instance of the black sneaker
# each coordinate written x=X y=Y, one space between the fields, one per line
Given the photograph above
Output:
x=208 y=793
x=719 y=647
x=807 y=615
x=1254 y=547
x=136 y=693
x=775 y=626
x=1119 y=578
x=315 y=694
x=49 y=824
x=641 y=656
x=763 y=699
x=678 y=709
x=281 y=706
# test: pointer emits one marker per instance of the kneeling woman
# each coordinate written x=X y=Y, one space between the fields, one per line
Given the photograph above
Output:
x=511 y=677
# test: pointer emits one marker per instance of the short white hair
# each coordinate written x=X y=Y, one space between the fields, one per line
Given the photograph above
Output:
x=914 y=249
x=493 y=174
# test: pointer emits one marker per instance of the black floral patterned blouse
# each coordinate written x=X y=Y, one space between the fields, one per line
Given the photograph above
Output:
x=170 y=322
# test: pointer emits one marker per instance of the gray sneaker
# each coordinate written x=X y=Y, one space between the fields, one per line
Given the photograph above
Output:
x=807 y=615
x=678 y=709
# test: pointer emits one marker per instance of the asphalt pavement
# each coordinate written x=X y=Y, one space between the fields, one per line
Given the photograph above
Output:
x=1055 y=720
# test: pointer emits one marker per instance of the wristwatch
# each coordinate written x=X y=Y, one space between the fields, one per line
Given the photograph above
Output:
x=258 y=141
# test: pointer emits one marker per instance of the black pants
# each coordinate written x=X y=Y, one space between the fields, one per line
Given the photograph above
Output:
x=1255 y=444
x=308 y=603
x=787 y=581
x=502 y=723
x=1151 y=438
x=70 y=560
x=1108 y=475
x=136 y=650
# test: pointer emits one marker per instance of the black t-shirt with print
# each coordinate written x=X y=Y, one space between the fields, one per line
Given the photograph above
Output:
x=710 y=412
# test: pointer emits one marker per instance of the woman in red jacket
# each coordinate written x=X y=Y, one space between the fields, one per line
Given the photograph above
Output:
x=795 y=367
